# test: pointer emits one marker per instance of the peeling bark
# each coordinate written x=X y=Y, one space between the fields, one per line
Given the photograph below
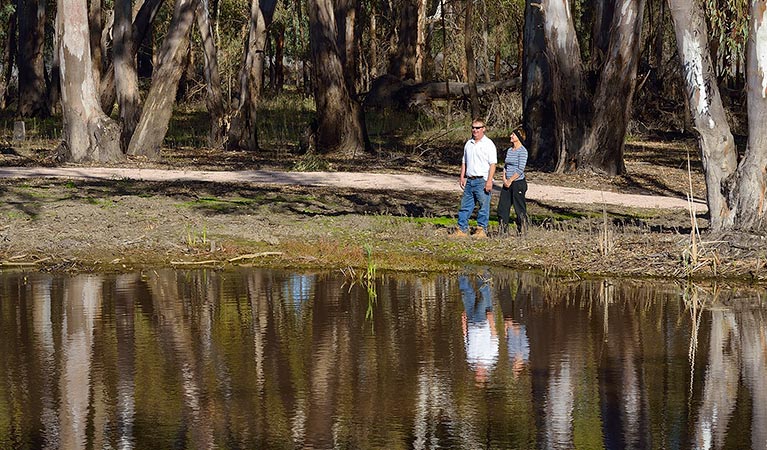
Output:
x=567 y=82
x=717 y=145
x=89 y=135
x=751 y=201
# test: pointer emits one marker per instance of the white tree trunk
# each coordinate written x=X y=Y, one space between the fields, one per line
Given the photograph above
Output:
x=717 y=146
x=752 y=173
x=89 y=135
x=567 y=81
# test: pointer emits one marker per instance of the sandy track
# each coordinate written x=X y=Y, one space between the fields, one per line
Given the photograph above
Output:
x=353 y=180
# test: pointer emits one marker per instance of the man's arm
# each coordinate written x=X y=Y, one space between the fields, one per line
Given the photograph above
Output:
x=490 y=175
x=462 y=180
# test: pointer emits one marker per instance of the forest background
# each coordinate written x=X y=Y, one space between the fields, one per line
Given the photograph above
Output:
x=354 y=82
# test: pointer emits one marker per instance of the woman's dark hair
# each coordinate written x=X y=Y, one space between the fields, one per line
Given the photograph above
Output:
x=520 y=133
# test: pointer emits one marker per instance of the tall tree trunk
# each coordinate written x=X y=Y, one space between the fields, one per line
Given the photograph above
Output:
x=659 y=34
x=603 y=147
x=537 y=107
x=485 y=45
x=54 y=87
x=279 y=56
x=421 y=51
x=374 y=45
x=96 y=25
x=340 y=124
x=124 y=72
x=751 y=195
x=106 y=86
x=404 y=60
x=89 y=135
x=187 y=74
x=243 y=130
x=155 y=116
x=602 y=18
x=214 y=101
x=9 y=56
x=348 y=41
x=29 y=58
x=567 y=82
x=717 y=146
x=471 y=64
x=140 y=28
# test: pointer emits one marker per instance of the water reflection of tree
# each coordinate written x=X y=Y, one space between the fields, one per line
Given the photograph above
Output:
x=261 y=359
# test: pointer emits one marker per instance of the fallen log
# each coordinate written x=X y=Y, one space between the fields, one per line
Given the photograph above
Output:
x=389 y=91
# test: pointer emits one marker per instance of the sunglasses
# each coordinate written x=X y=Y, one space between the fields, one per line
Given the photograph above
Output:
x=477 y=128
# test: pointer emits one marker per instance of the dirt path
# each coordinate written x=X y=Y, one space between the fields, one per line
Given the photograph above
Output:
x=356 y=180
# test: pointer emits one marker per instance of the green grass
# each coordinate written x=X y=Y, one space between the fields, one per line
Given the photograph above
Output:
x=100 y=202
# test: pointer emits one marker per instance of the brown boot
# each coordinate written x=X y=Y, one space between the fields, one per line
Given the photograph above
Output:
x=458 y=233
x=480 y=233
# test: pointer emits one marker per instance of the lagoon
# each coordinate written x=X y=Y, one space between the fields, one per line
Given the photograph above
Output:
x=485 y=358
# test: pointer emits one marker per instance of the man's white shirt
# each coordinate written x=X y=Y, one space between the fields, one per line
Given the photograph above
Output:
x=478 y=155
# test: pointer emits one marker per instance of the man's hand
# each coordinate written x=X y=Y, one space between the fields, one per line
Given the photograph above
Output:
x=489 y=185
x=462 y=182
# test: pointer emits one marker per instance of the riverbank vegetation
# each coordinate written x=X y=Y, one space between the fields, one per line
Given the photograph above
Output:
x=391 y=87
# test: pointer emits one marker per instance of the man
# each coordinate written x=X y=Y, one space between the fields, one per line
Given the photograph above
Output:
x=477 y=170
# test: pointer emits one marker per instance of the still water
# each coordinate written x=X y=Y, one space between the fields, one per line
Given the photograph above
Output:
x=259 y=359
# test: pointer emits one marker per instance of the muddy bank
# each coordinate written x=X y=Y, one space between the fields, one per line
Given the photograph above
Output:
x=124 y=225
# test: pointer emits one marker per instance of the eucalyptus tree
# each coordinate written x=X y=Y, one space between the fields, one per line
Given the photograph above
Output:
x=242 y=132
x=407 y=61
x=471 y=66
x=156 y=113
x=340 y=126
x=88 y=135
x=29 y=58
x=124 y=71
x=735 y=188
x=214 y=100
x=589 y=123
x=718 y=153
x=8 y=40
x=537 y=102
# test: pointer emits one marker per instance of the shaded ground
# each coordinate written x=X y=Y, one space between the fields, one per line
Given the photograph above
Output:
x=121 y=225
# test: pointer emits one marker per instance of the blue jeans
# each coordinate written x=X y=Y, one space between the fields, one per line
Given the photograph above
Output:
x=474 y=193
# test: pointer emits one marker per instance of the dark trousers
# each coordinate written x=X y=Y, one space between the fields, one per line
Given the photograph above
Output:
x=513 y=195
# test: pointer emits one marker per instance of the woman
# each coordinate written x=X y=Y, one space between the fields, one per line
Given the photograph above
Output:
x=514 y=184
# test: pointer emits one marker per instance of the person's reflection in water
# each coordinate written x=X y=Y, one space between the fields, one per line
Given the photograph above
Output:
x=479 y=333
x=517 y=345
x=515 y=331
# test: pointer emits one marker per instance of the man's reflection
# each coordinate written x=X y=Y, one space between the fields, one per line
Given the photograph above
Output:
x=480 y=337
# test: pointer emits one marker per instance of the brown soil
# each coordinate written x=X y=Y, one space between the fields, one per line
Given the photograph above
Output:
x=86 y=225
